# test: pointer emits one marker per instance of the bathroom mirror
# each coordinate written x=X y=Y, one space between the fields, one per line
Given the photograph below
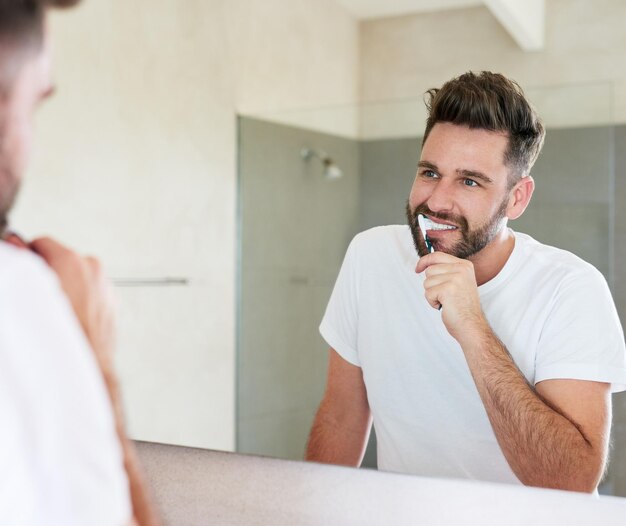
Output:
x=296 y=220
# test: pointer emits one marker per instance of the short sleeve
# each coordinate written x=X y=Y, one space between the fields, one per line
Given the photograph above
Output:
x=339 y=325
x=582 y=338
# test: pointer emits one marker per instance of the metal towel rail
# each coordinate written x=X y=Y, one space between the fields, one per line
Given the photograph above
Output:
x=150 y=282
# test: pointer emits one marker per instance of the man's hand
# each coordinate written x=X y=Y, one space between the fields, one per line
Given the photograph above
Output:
x=13 y=239
x=90 y=295
x=451 y=284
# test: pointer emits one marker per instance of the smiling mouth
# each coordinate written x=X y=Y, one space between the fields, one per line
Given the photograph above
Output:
x=433 y=226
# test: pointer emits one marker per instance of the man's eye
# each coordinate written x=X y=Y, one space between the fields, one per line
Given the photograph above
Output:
x=470 y=182
x=429 y=174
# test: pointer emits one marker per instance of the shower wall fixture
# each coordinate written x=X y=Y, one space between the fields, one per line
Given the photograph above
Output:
x=331 y=170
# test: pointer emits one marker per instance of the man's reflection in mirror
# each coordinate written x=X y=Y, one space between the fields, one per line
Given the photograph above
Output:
x=476 y=351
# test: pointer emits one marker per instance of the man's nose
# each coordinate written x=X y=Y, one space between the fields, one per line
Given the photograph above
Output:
x=441 y=198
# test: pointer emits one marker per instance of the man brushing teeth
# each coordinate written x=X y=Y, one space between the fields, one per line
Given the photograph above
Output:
x=509 y=382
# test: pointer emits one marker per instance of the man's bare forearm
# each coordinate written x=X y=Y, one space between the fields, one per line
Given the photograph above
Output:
x=144 y=512
x=333 y=440
x=541 y=444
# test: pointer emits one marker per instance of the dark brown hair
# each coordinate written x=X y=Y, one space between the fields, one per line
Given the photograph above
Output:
x=490 y=101
x=21 y=21
x=21 y=34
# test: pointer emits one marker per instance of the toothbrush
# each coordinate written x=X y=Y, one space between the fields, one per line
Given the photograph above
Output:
x=421 y=220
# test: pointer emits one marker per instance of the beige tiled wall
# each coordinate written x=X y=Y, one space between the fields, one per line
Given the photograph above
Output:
x=401 y=57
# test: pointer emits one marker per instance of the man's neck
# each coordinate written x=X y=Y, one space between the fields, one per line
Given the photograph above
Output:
x=491 y=259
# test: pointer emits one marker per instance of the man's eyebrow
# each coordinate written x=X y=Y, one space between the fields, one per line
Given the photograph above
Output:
x=475 y=175
x=430 y=166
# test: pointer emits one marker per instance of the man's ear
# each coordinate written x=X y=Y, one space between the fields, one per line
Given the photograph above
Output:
x=520 y=197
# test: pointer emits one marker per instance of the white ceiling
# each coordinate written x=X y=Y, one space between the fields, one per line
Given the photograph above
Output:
x=382 y=8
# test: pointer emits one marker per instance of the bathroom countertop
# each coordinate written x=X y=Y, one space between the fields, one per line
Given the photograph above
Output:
x=197 y=487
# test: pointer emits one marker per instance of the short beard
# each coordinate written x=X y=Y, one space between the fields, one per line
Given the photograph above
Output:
x=471 y=242
x=9 y=188
x=9 y=184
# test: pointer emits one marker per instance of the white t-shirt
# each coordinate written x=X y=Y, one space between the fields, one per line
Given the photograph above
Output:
x=553 y=311
x=60 y=460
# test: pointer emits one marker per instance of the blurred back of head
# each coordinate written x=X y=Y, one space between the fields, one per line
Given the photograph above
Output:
x=22 y=28
x=21 y=34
